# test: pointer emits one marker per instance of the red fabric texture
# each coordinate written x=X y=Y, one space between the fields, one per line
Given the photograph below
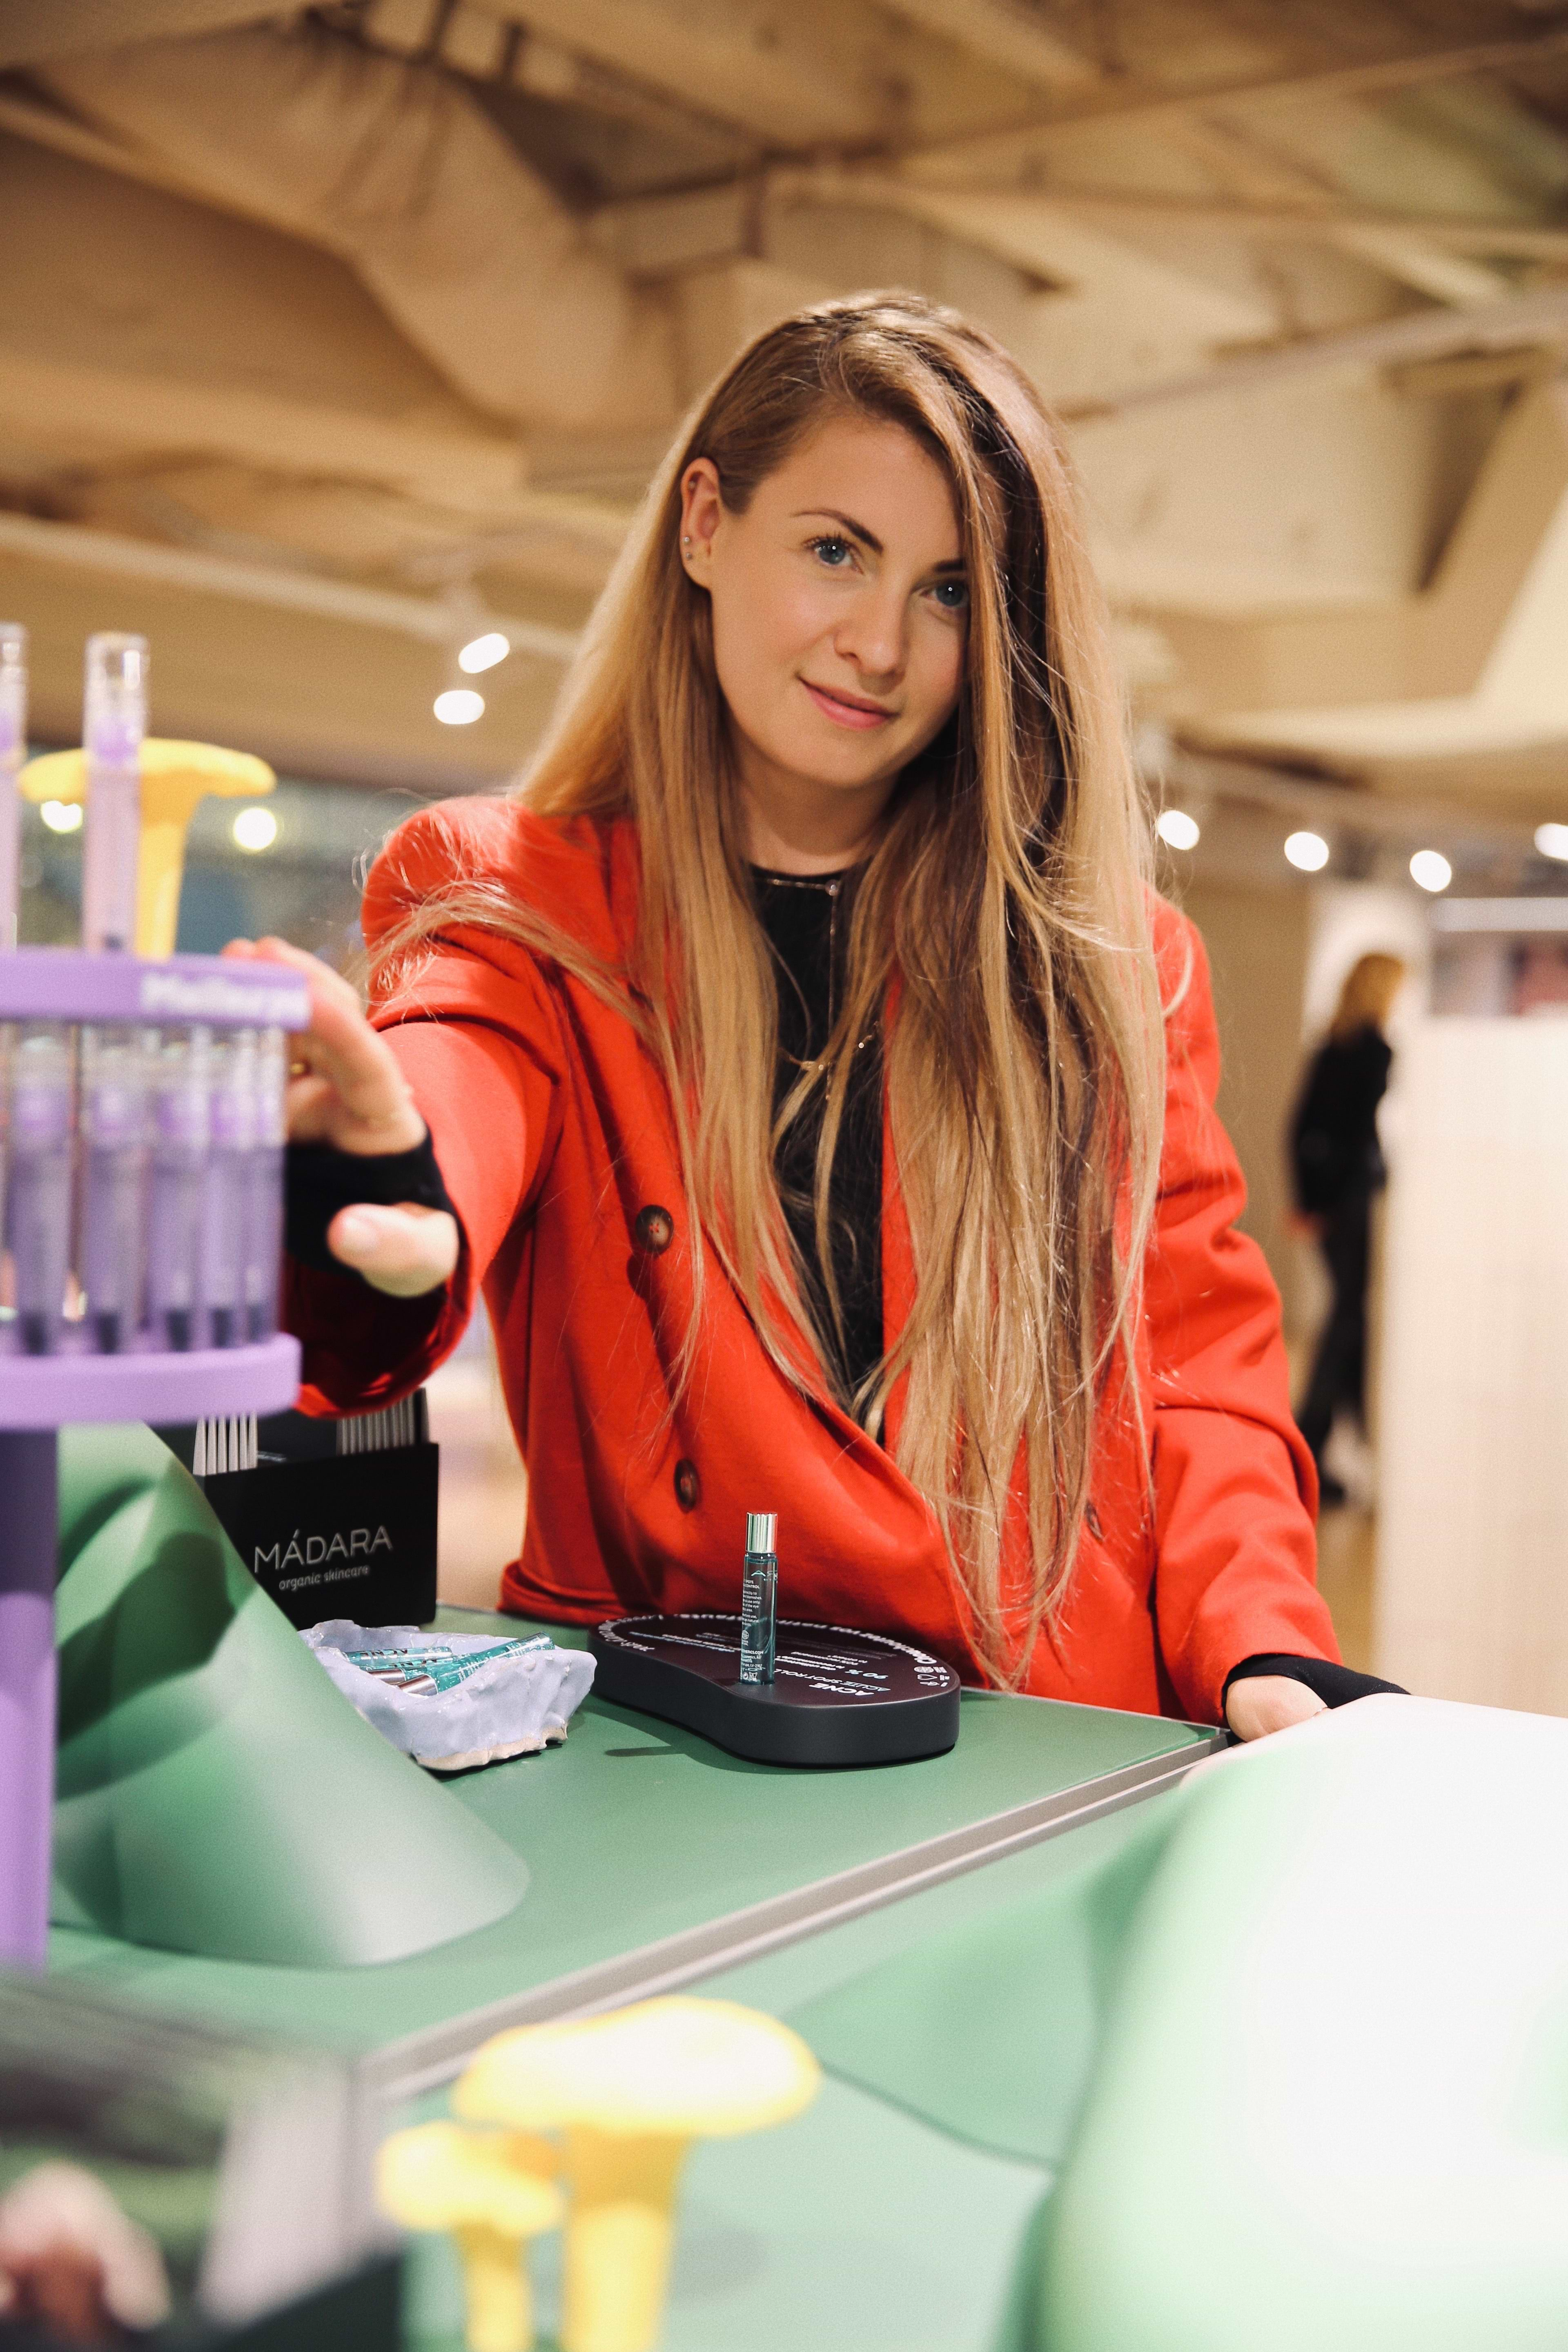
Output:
x=554 y=1130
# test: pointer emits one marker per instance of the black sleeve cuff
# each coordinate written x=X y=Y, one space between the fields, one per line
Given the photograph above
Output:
x=319 y=1180
x=1335 y=1685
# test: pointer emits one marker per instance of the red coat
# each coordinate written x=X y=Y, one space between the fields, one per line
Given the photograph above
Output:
x=554 y=1135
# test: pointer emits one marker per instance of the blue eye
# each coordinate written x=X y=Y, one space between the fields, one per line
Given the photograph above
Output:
x=831 y=550
x=952 y=595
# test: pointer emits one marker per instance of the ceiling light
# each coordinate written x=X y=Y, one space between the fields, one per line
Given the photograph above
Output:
x=1309 y=851
x=1431 y=870
x=255 y=828
x=1551 y=840
x=1177 y=829
x=459 y=707
x=63 y=817
x=483 y=653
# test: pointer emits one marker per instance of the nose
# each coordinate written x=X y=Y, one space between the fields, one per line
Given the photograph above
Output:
x=873 y=633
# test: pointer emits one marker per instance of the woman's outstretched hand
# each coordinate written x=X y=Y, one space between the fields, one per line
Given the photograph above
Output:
x=345 y=1088
x=1264 y=1703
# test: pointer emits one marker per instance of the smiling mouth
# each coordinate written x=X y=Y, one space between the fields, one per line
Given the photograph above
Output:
x=844 y=710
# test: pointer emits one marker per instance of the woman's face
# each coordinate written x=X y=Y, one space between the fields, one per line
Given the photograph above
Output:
x=840 y=616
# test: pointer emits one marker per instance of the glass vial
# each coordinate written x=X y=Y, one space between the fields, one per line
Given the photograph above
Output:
x=114 y=720
x=13 y=750
x=38 y=1207
x=759 y=1598
x=116 y=1069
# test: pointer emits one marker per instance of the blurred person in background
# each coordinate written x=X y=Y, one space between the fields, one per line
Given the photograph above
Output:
x=1336 y=1167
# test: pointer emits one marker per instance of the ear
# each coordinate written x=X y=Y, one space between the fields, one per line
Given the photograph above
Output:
x=702 y=506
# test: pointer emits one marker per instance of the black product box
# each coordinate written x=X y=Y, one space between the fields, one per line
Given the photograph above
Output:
x=352 y=1535
x=330 y=1532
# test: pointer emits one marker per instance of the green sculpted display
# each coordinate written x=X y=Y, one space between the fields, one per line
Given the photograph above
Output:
x=214 y=1793
x=1328 y=2106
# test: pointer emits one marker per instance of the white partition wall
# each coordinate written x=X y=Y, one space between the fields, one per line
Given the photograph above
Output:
x=1472 y=1576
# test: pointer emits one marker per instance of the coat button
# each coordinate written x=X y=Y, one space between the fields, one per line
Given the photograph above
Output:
x=687 y=1485
x=655 y=1230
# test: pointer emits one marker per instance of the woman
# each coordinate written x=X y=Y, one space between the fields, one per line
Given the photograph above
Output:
x=802 y=1067
x=1336 y=1167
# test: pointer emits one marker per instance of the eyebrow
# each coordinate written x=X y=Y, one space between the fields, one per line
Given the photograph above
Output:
x=868 y=538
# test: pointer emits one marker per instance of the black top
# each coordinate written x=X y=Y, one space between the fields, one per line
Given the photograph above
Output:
x=1333 y=1136
x=806 y=919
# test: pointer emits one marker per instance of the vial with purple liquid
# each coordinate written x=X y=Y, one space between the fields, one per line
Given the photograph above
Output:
x=264 y=1204
x=39 y=1140
x=116 y=1072
x=181 y=1138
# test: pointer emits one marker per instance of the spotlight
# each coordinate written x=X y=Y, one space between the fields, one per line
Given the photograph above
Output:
x=1309 y=851
x=483 y=653
x=1551 y=840
x=459 y=707
x=1177 y=829
x=255 y=828
x=1431 y=870
x=63 y=817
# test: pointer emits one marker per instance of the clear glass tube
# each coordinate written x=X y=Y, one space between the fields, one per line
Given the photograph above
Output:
x=115 y=1074
x=38 y=1189
x=231 y=1067
x=13 y=750
x=114 y=720
x=264 y=1212
x=181 y=1138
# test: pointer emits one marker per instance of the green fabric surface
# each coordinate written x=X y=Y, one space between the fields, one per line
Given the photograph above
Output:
x=214 y=1795
x=863 y=2224
x=636 y=1829
x=1331 y=2106
x=988 y=2028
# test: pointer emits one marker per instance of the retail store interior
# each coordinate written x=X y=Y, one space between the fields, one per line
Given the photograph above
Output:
x=339 y=346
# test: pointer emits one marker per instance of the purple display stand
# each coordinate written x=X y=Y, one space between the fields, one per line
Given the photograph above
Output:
x=41 y=1394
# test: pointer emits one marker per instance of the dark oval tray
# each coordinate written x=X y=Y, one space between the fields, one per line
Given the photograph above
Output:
x=839 y=1697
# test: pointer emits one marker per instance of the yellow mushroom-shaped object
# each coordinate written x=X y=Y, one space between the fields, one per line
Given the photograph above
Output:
x=174 y=777
x=482 y=2187
x=628 y=2093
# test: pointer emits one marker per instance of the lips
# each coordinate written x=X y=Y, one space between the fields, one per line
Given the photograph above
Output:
x=847 y=710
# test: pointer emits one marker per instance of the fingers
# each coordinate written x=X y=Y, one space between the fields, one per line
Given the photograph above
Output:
x=347 y=1089
x=404 y=1252
x=1264 y=1703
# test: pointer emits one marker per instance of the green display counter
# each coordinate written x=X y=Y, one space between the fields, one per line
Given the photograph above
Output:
x=905 y=2211
x=634 y=1859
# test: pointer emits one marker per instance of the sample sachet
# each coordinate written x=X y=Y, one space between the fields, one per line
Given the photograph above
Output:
x=454 y=1701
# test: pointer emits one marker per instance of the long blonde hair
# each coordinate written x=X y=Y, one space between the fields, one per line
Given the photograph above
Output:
x=1366 y=999
x=1000 y=933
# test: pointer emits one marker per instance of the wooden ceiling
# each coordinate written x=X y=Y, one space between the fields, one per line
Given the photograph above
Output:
x=324 y=335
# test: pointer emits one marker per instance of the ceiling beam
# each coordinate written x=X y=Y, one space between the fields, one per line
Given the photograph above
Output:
x=1128 y=103
x=1317 y=223
x=424 y=617
x=1005 y=33
x=34 y=31
x=1540 y=317
x=776 y=72
x=45 y=125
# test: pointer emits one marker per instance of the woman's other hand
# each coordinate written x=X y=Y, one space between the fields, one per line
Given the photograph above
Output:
x=345 y=1089
x=1261 y=1704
